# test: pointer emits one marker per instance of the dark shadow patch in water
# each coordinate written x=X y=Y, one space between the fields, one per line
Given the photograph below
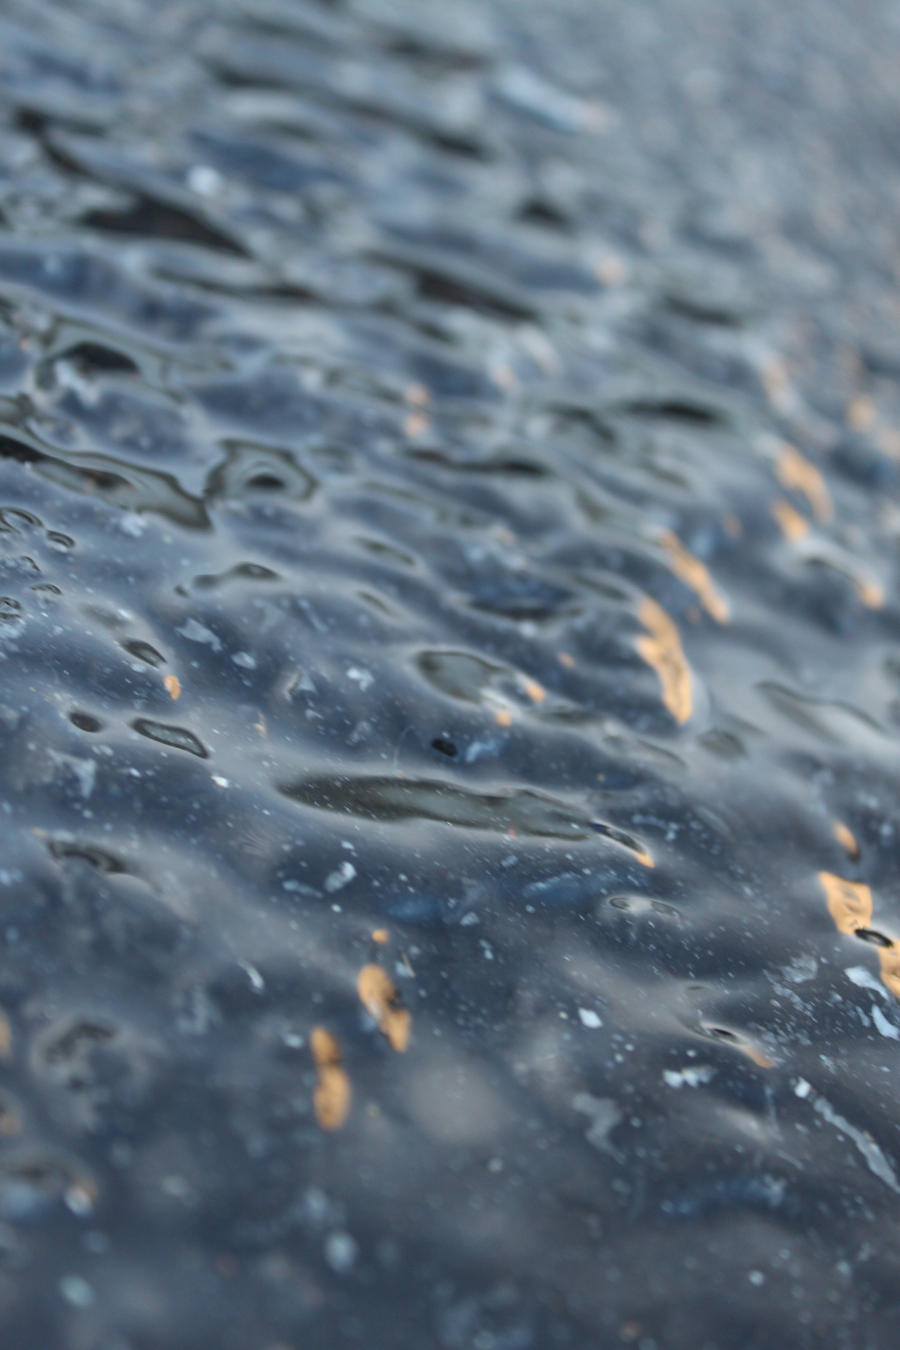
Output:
x=177 y=738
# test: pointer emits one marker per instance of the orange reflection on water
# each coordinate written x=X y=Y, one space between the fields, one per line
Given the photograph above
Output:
x=850 y=905
x=535 y=691
x=331 y=1099
x=379 y=998
x=661 y=648
x=849 y=902
x=846 y=838
x=792 y=525
x=798 y=474
x=695 y=575
x=759 y=1057
x=870 y=592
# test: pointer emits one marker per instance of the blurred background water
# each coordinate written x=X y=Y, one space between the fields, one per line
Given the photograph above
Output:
x=450 y=674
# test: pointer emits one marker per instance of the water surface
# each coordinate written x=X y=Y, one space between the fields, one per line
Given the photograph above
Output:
x=451 y=677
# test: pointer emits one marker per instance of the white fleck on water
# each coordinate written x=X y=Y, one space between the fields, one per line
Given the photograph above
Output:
x=692 y=1076
x=198 y=632
x=340 y=1252
x=364 y=678
x=340 y=877
x=883 y=1025
x=76 y=1291
x=204 y=179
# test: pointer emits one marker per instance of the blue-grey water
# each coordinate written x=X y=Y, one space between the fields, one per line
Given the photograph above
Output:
x=450 y=680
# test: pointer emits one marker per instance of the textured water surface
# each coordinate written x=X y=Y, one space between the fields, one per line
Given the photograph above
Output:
x=450 y=676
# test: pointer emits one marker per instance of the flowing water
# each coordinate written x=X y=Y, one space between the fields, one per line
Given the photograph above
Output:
x=450 y=675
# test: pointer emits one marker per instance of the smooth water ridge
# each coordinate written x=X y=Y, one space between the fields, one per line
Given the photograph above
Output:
x=449 y=675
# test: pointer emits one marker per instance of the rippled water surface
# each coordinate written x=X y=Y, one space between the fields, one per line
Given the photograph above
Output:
x=450 y=672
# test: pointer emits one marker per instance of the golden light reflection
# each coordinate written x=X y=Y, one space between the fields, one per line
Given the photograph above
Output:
x=870 y=592
x=696 y=576
x=849 y=902
x=846 y=838
x=535 y=691
x=331 y=1099
x=796 y=473
x=379 y=998
x=850 y=905
x=661 y=648
x=759 y=1057
x=792 y=525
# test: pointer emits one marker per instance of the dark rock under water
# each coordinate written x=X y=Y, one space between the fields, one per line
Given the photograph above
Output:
x=450 y=678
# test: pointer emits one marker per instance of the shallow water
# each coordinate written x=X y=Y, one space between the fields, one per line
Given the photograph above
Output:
x=451 y=677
